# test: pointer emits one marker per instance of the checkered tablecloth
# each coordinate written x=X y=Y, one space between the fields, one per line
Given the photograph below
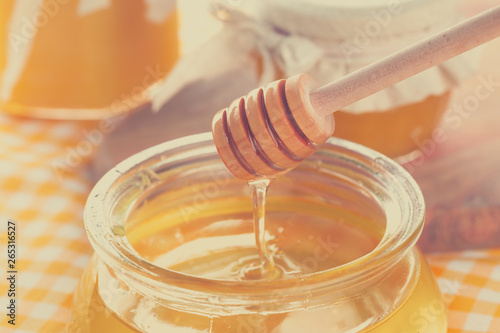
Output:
x=43 y=188
x=44 y=195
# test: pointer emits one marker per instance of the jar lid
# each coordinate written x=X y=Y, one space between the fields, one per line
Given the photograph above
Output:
x=337 y=20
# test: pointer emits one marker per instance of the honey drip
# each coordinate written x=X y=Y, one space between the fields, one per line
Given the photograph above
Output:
x=267 y=267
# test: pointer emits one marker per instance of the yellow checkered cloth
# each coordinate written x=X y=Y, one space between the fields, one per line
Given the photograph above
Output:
x=43 y=187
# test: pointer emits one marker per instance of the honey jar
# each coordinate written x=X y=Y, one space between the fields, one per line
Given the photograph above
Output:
x=172 y=231
x=331 y=38
x=83 y=59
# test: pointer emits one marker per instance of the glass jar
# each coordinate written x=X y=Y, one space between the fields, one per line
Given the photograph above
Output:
x=404 y=127
x=348 y=216
x=83 y=59
x=348 y=35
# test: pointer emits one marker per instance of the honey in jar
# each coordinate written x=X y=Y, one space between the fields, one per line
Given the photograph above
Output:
x=395 y=132
x=83 y=59
x=175 y=247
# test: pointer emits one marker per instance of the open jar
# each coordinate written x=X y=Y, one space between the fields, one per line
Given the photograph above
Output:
x=171 y=229
x=83 y=59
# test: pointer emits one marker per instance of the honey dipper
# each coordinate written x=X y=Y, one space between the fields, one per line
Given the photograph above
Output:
x=272 y=129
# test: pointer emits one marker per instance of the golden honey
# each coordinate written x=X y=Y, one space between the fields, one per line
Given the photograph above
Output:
x=423 y=312
x=82 y=59
x=395 y=132
x=174 y=234
x=346 y=242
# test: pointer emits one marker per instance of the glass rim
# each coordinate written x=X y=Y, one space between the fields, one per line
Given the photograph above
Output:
x=395 y=243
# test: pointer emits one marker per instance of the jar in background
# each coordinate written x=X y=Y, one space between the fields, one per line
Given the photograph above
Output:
x=348 y=35
x=395 y=132
x=83 y=59
x=171 y=227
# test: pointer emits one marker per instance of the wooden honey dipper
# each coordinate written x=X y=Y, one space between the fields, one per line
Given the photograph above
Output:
x=272 y=129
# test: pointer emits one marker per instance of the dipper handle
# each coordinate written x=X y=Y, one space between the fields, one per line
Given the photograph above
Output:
x=407 y=62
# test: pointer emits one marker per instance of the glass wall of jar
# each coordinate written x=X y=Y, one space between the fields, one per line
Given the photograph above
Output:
x=172 y=230
x=83 y=59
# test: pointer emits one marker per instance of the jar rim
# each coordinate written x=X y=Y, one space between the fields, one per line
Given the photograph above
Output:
x=172 y=285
